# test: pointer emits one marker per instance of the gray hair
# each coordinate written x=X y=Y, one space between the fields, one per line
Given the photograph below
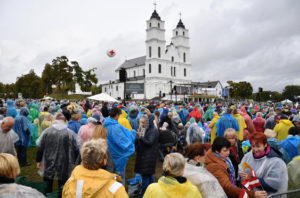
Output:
x=174 y=164
x=93 y=153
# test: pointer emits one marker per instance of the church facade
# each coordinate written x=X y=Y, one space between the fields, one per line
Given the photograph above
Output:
x=161 y=70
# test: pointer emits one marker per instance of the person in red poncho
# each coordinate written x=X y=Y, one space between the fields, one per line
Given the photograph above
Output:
x=259 y=122
x=250 y=127
x=195 y=114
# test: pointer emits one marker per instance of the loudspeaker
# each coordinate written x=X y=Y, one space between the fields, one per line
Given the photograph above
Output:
x=122 y=75
x=260 y=89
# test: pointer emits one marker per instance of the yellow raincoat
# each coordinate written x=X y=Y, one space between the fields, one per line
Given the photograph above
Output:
x=213 y=127
x=123 y=120
x=294 y=175
x=242 y=124
x=282 y=129
x=93 y=183
x=168 y=187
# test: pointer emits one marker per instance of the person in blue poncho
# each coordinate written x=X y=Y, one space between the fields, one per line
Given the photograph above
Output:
x=133 y=117
x=22 y=127
x=226 y=121
x=74 y=123
x=120 y=141
x=11 y=110
x=290 y=144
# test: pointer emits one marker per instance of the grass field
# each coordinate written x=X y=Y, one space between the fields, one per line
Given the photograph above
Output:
x=34 y=176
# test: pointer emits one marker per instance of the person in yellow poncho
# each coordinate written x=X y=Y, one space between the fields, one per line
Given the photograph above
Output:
x=173 y=184
x=213 y=126
x=124 y=121
x=241 y=121
x=282 y=128
x=89 y=179
x=293 y=169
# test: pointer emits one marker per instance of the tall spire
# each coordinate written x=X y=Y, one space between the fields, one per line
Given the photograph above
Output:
x=180 y=24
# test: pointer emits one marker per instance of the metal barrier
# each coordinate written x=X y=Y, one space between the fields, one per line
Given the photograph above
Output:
x=288 y=194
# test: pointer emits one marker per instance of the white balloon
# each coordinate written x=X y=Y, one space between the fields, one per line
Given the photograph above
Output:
x=111 y=53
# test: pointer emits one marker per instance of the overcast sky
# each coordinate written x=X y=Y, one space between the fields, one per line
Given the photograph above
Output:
x=240 y=40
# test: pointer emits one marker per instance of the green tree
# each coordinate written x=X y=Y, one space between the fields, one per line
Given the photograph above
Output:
x=96 y=89
x=30 y=85
x=65 y=75
x=240 y=90
x=291 y=91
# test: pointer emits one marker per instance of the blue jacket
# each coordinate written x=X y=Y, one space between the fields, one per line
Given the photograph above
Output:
x=74 y=126
x=226 y=121
x=11 y=110
x=290 y=144
x=120 y=142
x=23 y=128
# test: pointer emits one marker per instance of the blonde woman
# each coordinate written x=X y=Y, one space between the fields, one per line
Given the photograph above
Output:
x=172 y=184
x=236 y=151
x=89 y=179
x=241 y=121
x=9 y=170
x=100 y=132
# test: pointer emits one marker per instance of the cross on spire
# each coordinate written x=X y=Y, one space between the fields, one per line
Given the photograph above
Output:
x=155 y=4
x=180 y=15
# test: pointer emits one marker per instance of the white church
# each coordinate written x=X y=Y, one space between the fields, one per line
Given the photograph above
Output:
x=165 y=71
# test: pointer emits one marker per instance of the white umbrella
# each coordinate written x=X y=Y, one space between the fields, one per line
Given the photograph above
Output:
x=286 y=101
x=103 y=97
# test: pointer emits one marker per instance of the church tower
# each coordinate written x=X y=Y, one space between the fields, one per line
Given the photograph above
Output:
x=155 y=46
x=181 y=40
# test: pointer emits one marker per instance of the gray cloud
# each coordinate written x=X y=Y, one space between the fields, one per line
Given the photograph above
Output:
x=257 y=41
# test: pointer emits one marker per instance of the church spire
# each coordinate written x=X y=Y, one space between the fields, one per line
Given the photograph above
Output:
x=180 y=24
x=155 y=14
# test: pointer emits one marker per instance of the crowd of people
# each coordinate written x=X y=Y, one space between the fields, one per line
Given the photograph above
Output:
x=208 y=150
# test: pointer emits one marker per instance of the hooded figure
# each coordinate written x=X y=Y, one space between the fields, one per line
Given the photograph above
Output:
x=133 y=117
x=194 y=132
x=123 y=120
x=290 y=144
x=34 y=113
x=282 y=128
x=120 y=142
x=225 y=122
x=58 y=148
x=23 y=128
x=146 y=152
x=11 y=110
x=209 y=113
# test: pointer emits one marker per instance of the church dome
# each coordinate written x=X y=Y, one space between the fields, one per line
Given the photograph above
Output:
x=180 y=25
x=155 y=15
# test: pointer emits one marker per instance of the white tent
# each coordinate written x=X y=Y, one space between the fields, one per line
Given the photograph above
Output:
x=47 y=98
x=103 y=97
x=286 y=101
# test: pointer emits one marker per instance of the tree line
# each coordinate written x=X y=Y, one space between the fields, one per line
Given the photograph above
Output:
x=244 y=90
x=59 y=76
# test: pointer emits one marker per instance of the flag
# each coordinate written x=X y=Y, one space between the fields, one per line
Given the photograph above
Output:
x=251 y=183
x=243 y=194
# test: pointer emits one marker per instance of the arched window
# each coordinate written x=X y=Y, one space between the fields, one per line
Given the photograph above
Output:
x=158 y=25
x=158 y=52
x=159 y=68
x=150 y=51
x=184 y=72
x=143 y=72
x=149 y=68
x=176 y=33
x=174 y=71
x=171 y=71
x=117 y=88
x=172 y=58
x=183 y=33
x=133 y=73
x=149 y=24
x=184 y=57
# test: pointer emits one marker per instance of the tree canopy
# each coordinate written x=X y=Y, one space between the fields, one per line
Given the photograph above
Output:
x=240 y=90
